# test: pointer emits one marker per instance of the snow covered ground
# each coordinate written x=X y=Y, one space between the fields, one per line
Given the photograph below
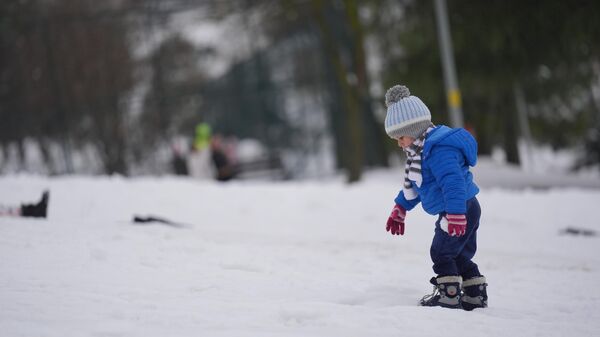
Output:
x=283 y=259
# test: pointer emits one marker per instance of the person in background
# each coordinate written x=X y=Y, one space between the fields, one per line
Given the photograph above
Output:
x=225 y=170
x=38 y=210
x=199 y=160
x=178 y=161
x=437 y=176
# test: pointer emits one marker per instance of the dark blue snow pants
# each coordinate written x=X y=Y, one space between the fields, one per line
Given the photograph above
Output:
x=452 y=255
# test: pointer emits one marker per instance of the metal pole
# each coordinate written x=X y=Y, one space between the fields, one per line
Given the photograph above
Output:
x=450 y=82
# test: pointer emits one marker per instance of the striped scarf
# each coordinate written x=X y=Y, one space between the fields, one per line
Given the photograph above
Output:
x=412 y=170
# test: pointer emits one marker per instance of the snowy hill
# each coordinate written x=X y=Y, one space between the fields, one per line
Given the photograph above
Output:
x=287 y=259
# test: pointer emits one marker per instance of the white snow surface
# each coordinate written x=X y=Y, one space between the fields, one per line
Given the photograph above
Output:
x=283 y=259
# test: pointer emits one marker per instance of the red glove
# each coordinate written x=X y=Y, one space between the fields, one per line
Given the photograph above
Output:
x=457 y=224
x=395 y=223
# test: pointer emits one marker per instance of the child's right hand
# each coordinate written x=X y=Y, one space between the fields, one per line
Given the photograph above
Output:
x=395 y=223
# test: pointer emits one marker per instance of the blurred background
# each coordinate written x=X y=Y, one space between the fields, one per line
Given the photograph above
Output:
x=289 y=89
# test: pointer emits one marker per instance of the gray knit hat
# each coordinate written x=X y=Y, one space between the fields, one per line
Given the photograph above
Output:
x=406 y=115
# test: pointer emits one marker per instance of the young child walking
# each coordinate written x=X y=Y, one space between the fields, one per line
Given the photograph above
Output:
x=437 y=176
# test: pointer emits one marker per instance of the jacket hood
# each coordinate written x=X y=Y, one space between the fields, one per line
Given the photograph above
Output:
x=458 y=138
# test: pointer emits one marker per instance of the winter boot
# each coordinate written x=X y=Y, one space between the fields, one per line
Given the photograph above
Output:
x=38 y=210
x=446 y=293
x=474 y=293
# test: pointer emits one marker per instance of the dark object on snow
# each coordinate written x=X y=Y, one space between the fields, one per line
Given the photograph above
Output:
x=578 y=231
x=38 y=210
x=153 y=219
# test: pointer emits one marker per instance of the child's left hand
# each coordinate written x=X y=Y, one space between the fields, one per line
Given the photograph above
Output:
x=457 y=224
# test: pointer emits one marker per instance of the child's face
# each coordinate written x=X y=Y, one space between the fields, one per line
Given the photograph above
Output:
x=405 y=141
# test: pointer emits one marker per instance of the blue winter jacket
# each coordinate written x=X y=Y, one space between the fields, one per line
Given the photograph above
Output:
x=447 y=182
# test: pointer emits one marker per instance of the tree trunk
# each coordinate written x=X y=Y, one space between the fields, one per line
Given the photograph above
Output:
x=353 y=147
x=375 y=149
x=22 y=154
x=48 y=161
x=511 y=136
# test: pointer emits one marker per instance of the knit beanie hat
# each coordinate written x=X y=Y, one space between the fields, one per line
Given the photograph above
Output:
x=406 y=115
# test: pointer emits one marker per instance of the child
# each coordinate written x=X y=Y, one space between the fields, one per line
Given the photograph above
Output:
x=437 y=175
